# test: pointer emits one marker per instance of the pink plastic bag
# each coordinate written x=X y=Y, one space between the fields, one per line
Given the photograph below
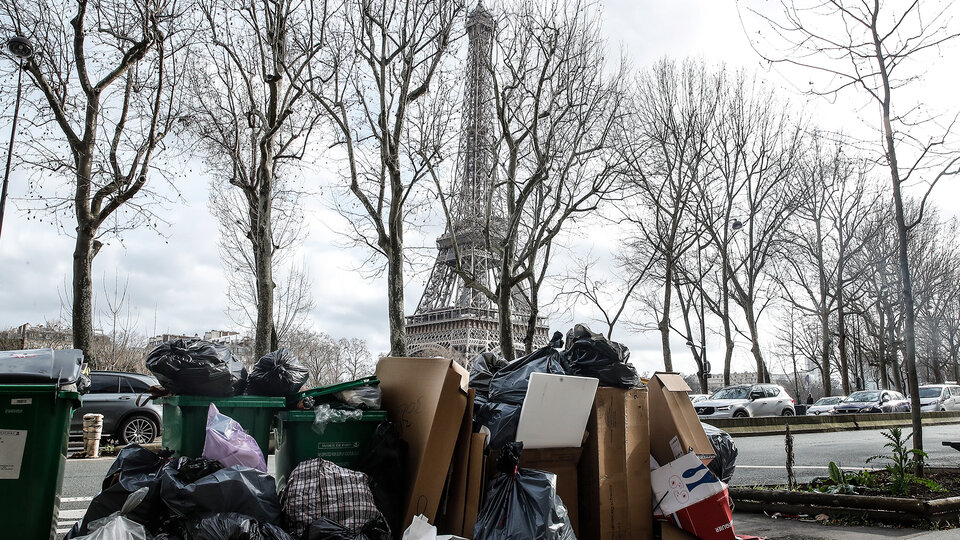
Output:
x=228 y=443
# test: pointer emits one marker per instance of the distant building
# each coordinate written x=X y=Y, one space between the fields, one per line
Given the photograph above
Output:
x=51 y=336
x=715 y=380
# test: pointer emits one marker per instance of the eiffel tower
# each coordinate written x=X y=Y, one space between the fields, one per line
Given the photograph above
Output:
x=454 y=320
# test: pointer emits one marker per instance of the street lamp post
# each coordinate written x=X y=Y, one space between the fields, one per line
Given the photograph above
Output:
x=21 y=48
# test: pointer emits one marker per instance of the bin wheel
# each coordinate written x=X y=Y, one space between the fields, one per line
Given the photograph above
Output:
x=137 y=429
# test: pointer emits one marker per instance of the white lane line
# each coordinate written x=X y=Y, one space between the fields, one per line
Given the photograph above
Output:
x=75 y=499
x=71 y=514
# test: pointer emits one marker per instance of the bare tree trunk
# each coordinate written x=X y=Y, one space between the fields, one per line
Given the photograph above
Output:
x=263 y=255
x=762 y=374
x=83 y=254
x=825 y=352
x=505 y=315
x=727 y=331
x=398 y=324
x=842 y=340
x=664 y=324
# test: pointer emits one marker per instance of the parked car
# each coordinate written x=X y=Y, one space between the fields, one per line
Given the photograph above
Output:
x=939 y=397
x=114 y=395
x=873 y=401
x=747 y=400
x=824 y=405
x=697 y=398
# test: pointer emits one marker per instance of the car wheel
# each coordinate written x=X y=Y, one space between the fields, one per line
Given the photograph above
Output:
x=740 y=414
x=787 y=412
x=137 y=430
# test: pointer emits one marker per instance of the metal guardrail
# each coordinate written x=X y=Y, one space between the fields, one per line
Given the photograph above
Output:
x=772 y=425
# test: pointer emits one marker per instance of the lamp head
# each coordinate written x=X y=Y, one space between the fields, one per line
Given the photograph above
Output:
x=20 y=47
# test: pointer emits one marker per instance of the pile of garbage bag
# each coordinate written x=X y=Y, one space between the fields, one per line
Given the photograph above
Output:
x=725 y=462
x=203 y=368
x=501 y=387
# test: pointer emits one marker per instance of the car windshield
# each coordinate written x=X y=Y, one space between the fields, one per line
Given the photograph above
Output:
x=734 y=392
x=930 y=392
x=862 y=397
x=827 y=401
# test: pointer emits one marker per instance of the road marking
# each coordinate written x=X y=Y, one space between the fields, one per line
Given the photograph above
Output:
x=75 y=499
x=71 y=514
x=781 y=467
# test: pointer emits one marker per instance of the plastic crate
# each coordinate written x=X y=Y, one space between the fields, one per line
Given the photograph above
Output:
x=185 y=419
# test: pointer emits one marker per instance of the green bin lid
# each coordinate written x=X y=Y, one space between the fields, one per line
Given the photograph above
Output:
x=235 y=401
x=334 y=388
x=310 y=416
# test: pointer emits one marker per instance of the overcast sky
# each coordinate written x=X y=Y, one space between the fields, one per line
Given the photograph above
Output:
x=176 y=282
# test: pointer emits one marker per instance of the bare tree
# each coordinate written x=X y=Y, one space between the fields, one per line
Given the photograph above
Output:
x=609 y=295
x=106 y=92
x=330 y=360
x=753 y=192
x=387 y=102
x=556 y=123
x=123 y=346
x=868 y=48
x=252 y=115
x=666 y=155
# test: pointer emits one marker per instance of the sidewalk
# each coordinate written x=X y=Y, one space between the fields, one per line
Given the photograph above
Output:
x=791 y=529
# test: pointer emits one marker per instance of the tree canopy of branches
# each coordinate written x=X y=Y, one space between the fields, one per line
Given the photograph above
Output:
x=556 y=115
x=105 y=81
x=252 y=112
x=387 y=107
x=868 y=47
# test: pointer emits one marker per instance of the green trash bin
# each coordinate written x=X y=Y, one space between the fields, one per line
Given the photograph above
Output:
x=340 y=443
x=185 y=419
x=34 y=425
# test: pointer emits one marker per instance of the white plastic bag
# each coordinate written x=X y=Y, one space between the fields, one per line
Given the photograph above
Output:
x=421 y=529
x=116 y=526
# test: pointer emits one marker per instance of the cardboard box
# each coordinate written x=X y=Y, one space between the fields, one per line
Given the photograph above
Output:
x=614 y=487
x=677 y=430
x=452 y=506
x=637 y=441
x=562 y=462
x=426 y=398
x=476 y=482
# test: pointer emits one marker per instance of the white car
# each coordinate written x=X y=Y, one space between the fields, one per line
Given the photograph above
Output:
x=939 y=397
x=824 y=405
x=746 y=400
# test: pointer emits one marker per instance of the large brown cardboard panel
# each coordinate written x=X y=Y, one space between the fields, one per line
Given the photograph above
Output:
x=426 y=399
x=677 y=429
x=604 y=505
x=450 y=520
x=562 y=462
x=475 y=483
x=638 y=463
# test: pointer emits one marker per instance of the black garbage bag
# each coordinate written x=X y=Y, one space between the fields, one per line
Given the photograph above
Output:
x=522 y=504
x=238 y=489
x=724 y=465
x=134 y=468
x=326 y=529
x=189 y=470
x=484 y=367
x=277 y=374
x=502 y=419
x=384 y=461
x=509 y=385
x=232 y=526
x=197 y=368
x=593 y=355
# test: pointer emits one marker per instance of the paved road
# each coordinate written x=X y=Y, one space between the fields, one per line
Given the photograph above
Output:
x=762 y=459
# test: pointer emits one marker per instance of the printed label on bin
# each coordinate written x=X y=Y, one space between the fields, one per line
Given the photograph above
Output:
x=12 y=442
x=338 y=449
x=21 y=401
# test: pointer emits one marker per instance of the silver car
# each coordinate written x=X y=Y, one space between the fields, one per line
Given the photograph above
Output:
x=939 y=397
x=114 y=395
x=824 y=405
x=746 y=400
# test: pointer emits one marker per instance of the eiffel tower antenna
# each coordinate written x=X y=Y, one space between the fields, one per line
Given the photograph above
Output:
x=452 y=319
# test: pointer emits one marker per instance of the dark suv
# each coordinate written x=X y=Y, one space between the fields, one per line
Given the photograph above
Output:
x=114 y=395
